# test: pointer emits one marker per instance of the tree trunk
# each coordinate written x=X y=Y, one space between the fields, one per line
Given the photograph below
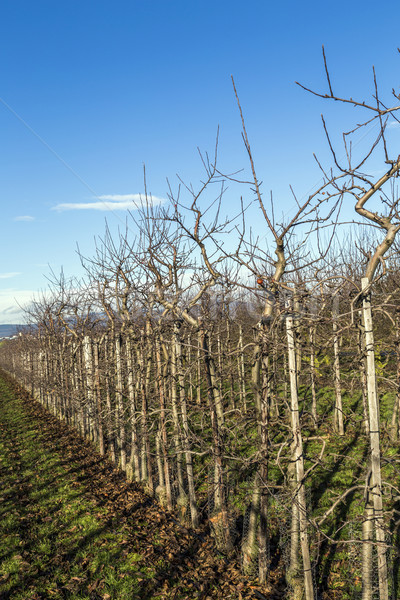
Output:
x=219 y=519
x=314 y=412
x=250 y=542
x=133 y=469
x=367 y=560
x=362 y=370
x=375 y=485
x=121 y=431
x=241 y=372
x=99 y=410
x=336 y=365
x=198 y=387
x=163 y=430
x=194 y=513
x=108 y=360
x=396 y=408
x=182 y=496
x=298 y=458
x=264 y=414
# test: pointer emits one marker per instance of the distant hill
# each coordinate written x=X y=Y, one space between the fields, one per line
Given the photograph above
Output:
x=8 y=330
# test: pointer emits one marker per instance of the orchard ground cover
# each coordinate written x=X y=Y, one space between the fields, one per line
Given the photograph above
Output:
x=72 y=527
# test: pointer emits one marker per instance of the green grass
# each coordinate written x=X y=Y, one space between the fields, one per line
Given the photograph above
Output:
x=56 y=543
x=53 y=544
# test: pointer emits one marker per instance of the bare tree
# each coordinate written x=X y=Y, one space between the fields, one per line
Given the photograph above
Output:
x=364 y=189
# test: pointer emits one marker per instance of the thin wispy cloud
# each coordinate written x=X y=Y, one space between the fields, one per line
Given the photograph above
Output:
x=24 y=218
x=11 y=301
x=123 y=197
x=8 y=275
x=11 y=310
x=111 y=202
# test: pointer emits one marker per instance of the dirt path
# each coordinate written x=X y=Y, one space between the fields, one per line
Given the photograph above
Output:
x=72 y=527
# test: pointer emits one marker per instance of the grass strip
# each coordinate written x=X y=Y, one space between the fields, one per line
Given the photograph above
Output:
x=71 y=526
x=54 y=543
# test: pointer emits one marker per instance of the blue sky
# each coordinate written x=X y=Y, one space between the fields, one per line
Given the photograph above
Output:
x=91 y=91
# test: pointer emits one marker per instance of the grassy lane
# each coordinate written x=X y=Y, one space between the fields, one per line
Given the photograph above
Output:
x=53 y=541
x=71 y=527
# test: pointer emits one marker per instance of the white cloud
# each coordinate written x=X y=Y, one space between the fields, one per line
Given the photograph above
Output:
x=8 y=275
x=11 y=301
x=393 y=124
x=24 y=218
x=111 y=202
x=123 y=197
